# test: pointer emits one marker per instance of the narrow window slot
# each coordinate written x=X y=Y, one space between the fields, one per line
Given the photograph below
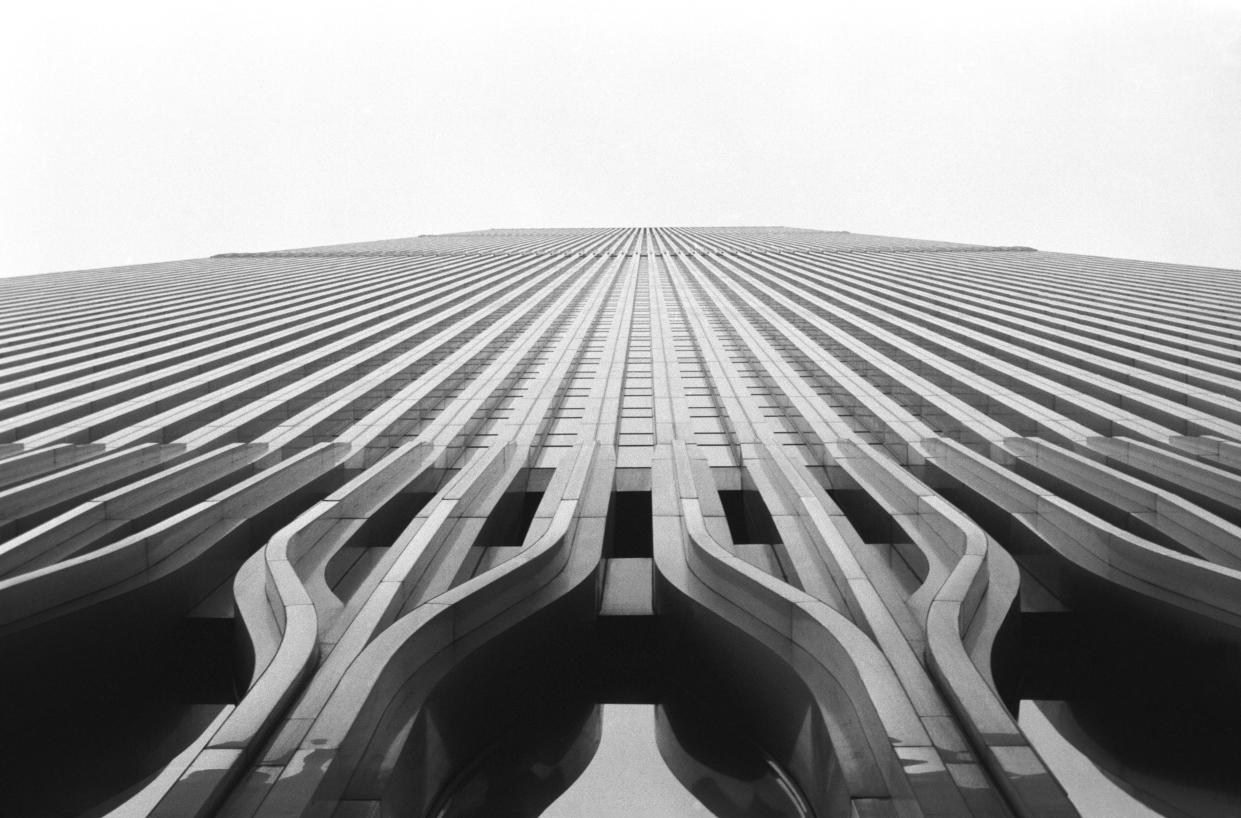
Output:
x=510 y=520
x=630 y=526
x=386 y=524
x=749 y=520
x=875 y=526
x=869 y=520
x=350 y=565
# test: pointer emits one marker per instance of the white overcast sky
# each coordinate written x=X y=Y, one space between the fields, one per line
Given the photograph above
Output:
x=137 y=132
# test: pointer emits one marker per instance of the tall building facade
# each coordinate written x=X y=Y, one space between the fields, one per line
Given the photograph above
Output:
x=868 y=526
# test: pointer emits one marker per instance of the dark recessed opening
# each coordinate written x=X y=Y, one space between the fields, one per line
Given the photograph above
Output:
x=552 y=728
x=892 y=544
x=868 y=518
x=77 y=756
x=510 y=520
x=749 y=521
x=630 y=525
x=131 y=671
x=383 y=527
x=351 y=564
x=1115 y=667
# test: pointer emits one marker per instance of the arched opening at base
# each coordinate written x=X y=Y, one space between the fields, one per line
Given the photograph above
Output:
x=610 y=717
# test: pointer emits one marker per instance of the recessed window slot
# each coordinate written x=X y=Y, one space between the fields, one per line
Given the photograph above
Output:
x=629 y=530
x=510 y=520
x=876 y=527
x=749 y=520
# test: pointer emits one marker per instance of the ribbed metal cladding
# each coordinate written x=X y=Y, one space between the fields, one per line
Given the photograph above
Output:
x=372 y=464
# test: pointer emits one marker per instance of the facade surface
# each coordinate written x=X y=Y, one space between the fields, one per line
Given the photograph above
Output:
x=909 y=527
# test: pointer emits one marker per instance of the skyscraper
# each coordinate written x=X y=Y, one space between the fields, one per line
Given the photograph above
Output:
x=849 y=525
